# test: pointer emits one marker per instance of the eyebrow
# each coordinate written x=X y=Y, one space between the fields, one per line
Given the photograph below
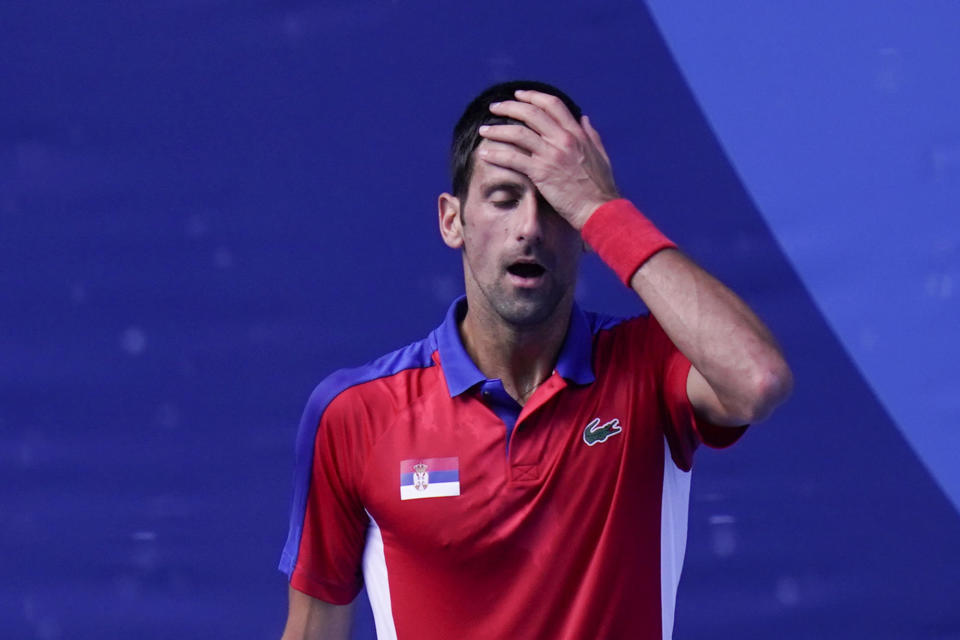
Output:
x=488 y=190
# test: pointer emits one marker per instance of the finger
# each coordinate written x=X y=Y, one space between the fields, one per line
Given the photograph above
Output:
x=531 y=115
x=555 y=137
x=505 y=155
x=553 y=106
x=594 y=137
x=515 y=134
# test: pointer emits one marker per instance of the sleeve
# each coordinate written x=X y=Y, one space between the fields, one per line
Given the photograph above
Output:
x=683 y=429
x=324 y=550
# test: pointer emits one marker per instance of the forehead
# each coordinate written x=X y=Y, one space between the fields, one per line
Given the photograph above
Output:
x=486 y=176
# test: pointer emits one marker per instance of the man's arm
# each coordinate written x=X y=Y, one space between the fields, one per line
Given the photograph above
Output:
x=738 y=373
x=313 y=619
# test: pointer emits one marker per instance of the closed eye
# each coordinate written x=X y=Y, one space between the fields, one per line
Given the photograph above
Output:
x=503 y=194
x=506 y=204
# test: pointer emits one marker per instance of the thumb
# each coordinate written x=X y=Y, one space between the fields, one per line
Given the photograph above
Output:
x=594 y=137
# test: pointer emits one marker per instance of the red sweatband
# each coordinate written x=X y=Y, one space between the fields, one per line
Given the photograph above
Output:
x=623 y=237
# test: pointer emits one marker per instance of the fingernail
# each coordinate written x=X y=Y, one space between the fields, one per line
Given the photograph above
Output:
x=494 y=104
x=482 y=152
x=484 y=129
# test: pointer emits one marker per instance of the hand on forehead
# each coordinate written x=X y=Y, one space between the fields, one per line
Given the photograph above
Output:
x=544 y=113
x=486 y=173
x=546 y=117
x=563 y=158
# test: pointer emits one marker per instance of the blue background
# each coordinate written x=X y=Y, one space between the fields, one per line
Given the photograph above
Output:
x=206 y=206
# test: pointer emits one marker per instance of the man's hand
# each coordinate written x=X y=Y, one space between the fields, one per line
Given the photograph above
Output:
x=563 y=158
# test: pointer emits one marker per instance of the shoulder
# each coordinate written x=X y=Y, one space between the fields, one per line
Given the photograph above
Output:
x=631 y=343
x=608 y=326
x=380 y=385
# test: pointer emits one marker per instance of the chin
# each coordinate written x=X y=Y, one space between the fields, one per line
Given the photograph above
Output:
x=526 y=311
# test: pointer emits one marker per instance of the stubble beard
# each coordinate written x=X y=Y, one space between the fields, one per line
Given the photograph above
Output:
x=523 y=308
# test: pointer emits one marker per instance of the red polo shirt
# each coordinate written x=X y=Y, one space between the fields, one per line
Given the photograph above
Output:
x=467 y=516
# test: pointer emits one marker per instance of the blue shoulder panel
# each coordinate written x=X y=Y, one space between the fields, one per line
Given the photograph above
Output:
x=602 y=322
x=414 y=356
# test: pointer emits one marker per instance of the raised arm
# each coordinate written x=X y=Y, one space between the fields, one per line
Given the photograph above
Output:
x=738 y=373
x=313 y=619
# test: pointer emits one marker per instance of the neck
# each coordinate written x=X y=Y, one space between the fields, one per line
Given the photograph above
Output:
x=521 y=357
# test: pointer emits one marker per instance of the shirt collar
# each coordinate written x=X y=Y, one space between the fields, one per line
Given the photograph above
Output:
x=574 y=362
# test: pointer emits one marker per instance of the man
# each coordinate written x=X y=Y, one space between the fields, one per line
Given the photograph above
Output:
x=524 y=470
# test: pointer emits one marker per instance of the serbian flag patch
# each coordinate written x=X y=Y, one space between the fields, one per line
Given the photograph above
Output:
x=429 y=478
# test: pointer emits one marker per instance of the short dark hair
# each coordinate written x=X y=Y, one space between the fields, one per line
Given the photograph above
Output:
x=466 y=136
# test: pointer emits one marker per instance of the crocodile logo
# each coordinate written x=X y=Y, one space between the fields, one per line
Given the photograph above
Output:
x=595 y=432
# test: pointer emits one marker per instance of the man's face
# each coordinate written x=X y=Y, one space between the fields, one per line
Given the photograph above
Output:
x=519 y=254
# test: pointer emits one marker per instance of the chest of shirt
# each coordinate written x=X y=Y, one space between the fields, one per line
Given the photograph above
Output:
x=443 y=475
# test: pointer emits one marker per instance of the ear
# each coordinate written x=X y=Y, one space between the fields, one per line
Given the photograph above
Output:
x=448 y=210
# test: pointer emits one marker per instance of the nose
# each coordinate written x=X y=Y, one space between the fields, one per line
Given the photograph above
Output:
x=529 y=220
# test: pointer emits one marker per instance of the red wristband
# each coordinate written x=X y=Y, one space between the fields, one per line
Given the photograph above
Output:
x=623 y=237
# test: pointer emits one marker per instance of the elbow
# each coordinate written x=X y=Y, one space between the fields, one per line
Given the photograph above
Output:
x=769 y=387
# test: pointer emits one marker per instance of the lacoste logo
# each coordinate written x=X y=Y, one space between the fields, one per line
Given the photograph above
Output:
x=595 y=432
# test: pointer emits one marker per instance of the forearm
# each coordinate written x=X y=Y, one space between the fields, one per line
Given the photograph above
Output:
x=739 y=374
x=723 y=339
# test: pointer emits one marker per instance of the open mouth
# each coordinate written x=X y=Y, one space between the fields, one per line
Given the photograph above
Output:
x=526 y=269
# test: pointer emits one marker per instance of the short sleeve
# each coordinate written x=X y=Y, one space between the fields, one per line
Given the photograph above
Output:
x=329 y=552
x=683 y=429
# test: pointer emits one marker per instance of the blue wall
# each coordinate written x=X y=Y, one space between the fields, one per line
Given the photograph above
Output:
x=206 y=207
x=842 y=121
